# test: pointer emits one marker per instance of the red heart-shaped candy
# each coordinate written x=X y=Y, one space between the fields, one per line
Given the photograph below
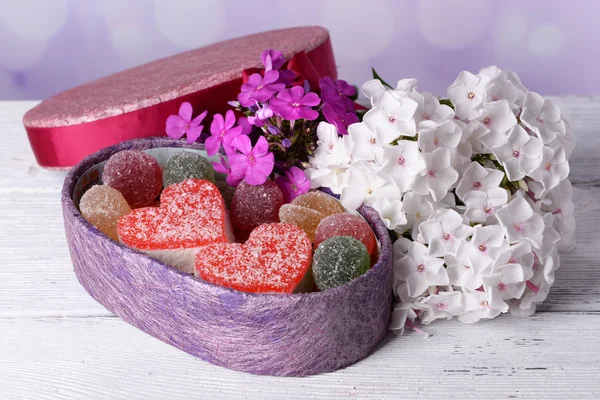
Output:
x=274 y=259
x=191 y=215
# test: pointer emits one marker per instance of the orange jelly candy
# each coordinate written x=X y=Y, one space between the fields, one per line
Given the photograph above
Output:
x=102 y=206
x=305 y=218
x=191 y=215
x=275 y=259
x=319 y=201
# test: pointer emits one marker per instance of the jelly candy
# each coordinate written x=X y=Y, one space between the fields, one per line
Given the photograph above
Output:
x=136 y=175
x=253 y=206
x=321 y=202
x=303 y=217
x=226 y=191
x=338 y=260
x=102 y=206
x=191 y=215
x=185 y=165
x=346 y=224
x=274 y=259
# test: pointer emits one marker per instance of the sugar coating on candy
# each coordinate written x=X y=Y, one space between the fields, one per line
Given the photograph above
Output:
x=136 y=175
x=226 y=191
x=252 y=206
x=305 y=218
x=321 y=202
x=274 y=259
x=339 y=260
x=102 y=206
x=346 y=224
x=191 y=214
x=185 y=165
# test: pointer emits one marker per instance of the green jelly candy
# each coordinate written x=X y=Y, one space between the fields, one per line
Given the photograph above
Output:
x=338 y=260
x=185 y=165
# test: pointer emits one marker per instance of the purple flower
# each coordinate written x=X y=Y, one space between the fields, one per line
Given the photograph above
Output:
x=254 y=165
x=223 y=167
x=293 y=183
x=179 y=125
x=287 y=77
x=272 y=59
x=293 y=104
x=337 y=115
x=337 y=92
x=260 y=89
x=222 y=132
x=263 y=113
x=245 y=124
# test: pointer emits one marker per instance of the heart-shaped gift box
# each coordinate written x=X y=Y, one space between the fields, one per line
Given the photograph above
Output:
x=272 y=334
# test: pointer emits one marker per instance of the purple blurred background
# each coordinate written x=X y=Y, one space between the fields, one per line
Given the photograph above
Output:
x=47 y=46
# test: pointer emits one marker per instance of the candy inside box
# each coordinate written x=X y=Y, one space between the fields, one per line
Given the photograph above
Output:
x=273 y=334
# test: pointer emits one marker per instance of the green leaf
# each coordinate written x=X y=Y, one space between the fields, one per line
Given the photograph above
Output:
x=447 y=102
x=376 y=76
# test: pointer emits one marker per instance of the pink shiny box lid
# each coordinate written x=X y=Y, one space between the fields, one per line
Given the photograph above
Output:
x=70 y=125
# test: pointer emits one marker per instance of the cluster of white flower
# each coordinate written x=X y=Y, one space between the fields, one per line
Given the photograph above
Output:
x=474 y=186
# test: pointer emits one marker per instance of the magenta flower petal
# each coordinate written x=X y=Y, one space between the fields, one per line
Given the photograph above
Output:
x=221 y=166
x=185 y=111
x=297 y=175
x=234 y=180
x=229 y=137
x=245 y=125
x=198 y=120
x=253 y=81
x=310 y=99
x=229 y=119
x=296 y=94
x=337 y=115
x=293 y=183
x=244 y=98
x=217 y=124
x=270 y=77
x=212 y=145
x=242 y=144
x=272 y=59
x=193 y=133
x=259 y=171
x=261 y=148
x=175 y=127
x=290 y=104
x=238 y=164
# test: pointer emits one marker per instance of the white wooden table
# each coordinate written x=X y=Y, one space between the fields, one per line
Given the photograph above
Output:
x=56 y=342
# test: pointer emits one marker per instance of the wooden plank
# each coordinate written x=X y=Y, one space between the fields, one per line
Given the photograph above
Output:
x=583 y=112
x=550 y=355
x=18 y=168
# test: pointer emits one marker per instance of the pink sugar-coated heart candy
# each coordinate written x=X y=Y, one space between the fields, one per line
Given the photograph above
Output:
x=191 y=215
x=137 y=175
x=347 y=224
x=275 y=259
x=253 y=206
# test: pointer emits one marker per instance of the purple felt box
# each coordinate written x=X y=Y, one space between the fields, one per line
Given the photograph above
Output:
x=272 y=334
